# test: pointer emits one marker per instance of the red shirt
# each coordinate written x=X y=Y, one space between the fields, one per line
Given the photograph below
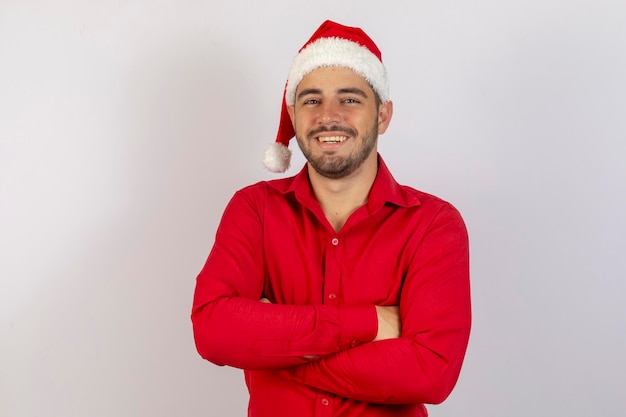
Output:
x=311 y=353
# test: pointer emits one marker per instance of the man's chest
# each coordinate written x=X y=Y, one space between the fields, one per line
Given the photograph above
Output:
x=309 y=264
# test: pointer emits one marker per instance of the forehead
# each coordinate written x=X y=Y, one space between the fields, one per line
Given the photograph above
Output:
x=332 y=78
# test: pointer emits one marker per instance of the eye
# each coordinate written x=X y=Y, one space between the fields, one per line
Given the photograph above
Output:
x=310 y=101
x=350 y=101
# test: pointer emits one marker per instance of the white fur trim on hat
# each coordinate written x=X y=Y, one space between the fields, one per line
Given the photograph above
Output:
x=277 y=157
x=338 y=52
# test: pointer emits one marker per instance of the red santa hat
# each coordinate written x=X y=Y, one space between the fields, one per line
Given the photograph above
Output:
x=332 y=45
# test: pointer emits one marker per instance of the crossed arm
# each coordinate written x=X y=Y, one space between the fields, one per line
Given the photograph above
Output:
x=388 y=322
x=411 y=353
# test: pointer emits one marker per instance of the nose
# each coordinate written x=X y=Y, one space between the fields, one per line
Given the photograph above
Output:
x=329 y=113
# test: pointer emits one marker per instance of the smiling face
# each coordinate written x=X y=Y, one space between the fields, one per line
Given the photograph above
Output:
x=337 y=120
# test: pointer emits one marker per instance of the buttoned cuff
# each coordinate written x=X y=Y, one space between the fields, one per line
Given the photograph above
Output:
x=358 y=324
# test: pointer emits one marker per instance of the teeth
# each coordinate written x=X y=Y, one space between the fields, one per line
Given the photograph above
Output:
x=332 y=139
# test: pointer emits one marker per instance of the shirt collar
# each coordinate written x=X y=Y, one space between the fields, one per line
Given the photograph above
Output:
x=387 y=190
x=384 y=190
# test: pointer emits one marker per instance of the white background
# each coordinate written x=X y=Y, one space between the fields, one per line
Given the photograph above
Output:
x=125 y=127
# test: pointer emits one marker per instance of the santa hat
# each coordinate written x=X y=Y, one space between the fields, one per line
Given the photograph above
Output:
x=332 y=45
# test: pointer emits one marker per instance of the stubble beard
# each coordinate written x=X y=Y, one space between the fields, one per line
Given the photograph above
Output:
x=332 y=166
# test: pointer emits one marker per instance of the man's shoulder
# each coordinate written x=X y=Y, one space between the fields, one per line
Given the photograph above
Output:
x=425 y=199
x=418 y=193
x=404 y=195
x=277 y=186
x=422 y=195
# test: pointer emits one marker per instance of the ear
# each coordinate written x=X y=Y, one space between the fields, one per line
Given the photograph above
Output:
x=385 y=111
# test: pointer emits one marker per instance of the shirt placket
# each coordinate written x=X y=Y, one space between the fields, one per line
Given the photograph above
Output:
x=332 y=279
x=324 y=405
x=332 y=273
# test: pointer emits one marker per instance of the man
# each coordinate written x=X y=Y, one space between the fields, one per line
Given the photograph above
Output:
x=338 y=291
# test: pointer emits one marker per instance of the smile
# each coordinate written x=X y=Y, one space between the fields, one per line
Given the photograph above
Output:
x=331 y=139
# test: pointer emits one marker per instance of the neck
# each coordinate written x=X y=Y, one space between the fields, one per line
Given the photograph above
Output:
x=339 y=198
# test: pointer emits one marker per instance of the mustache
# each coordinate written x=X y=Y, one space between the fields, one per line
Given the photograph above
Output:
x=334 y=128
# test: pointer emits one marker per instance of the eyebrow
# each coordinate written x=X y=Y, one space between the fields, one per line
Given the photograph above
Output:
x=352 y=90
x=308 y=91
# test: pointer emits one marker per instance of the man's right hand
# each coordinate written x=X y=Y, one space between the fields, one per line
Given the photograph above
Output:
x=389 y=325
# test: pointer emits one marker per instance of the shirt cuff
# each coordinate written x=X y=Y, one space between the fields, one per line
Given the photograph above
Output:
x=358 y=324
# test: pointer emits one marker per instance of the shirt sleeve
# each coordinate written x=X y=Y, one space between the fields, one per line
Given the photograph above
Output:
x=232 y=327
x=423 y=365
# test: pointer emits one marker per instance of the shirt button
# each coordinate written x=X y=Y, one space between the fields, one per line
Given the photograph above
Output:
x=332 y=296
x=335 y=241
x=325 y=401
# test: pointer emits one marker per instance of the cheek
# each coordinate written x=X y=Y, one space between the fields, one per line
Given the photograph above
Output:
x=301 y=117
x=361 y=122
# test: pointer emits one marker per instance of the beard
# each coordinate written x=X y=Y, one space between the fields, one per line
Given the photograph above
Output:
x=333 y=166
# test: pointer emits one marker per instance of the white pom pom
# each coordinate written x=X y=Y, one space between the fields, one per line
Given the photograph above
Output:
x=277 y=157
